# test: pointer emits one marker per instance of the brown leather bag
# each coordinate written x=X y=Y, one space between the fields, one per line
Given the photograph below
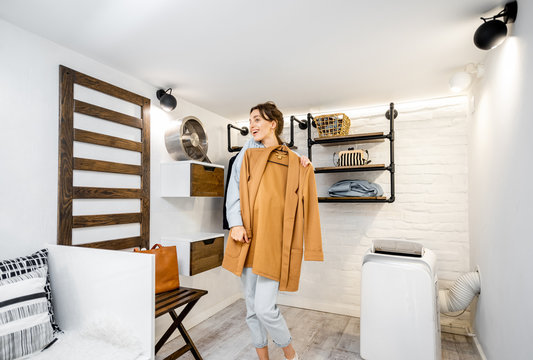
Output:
x=166 y=267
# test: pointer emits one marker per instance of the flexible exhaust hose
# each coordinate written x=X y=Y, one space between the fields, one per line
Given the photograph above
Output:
x=459 y=296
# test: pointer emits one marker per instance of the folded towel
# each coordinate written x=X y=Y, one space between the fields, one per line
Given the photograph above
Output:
x=355 y=188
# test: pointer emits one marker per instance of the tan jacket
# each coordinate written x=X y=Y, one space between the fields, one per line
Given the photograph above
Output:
x=301 y=221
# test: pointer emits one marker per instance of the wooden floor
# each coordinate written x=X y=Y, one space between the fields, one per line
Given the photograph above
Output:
x=317 y=336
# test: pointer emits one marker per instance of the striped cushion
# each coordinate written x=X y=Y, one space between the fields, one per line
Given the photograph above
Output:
x=22 y=265
x=25 y=326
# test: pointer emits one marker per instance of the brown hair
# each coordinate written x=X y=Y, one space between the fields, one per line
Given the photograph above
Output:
x=269 y=111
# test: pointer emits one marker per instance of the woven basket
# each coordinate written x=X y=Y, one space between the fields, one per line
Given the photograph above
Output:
x=332 y=125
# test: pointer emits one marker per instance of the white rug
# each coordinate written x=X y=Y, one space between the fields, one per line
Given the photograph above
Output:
x=102 y=340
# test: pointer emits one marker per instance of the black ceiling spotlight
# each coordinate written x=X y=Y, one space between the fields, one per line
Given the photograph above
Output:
x=167 y=101
x=493 y=32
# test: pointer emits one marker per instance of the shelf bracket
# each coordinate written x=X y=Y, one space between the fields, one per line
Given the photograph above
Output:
x=310 y=142
x=244 y=131
x=387 y=114
x=302 y=124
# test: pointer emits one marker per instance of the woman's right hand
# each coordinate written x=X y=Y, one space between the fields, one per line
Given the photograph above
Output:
x=238 y=233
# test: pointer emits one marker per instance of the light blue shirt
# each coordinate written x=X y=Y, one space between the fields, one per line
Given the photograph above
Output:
x=233 y=197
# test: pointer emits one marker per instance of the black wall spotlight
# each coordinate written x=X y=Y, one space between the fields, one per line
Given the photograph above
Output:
x=167 y=101
x=493 y=32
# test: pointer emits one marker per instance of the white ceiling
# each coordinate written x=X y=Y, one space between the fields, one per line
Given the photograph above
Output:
x=306 y=55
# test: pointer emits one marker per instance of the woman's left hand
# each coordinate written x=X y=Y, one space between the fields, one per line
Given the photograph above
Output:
x=304 y=160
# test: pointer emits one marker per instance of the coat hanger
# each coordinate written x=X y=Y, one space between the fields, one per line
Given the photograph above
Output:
x=275 y=162
x=284 y=149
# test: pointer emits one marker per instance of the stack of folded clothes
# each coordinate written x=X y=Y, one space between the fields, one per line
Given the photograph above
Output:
x=355 y=188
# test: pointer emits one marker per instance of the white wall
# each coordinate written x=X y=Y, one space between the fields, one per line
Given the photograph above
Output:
x=500 y=194
x=431 y=204
x=29 y=94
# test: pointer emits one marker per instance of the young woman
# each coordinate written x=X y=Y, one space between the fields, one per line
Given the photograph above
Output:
x=262 y=316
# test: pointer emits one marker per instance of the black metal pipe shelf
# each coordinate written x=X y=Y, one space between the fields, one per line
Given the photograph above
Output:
x=354 y=200
x=391 y=114
x=350 y=139
x=336 y=169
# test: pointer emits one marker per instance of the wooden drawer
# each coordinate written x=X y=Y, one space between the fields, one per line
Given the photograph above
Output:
x=207 y=180
x=197 y=252
x=192 y=178
x=206 y=254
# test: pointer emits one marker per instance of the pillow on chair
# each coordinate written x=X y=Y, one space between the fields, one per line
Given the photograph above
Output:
x=23 y=265
x=25 y=326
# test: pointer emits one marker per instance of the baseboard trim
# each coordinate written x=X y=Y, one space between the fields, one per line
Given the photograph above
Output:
x=479 y=349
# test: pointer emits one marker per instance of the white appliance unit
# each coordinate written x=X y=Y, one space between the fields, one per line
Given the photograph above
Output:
x=399 y=303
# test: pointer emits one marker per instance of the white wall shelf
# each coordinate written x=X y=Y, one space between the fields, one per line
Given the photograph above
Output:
x=191 y=179
x=197 y=252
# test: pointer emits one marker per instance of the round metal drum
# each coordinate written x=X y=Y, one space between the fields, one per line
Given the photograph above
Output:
x=185 y=139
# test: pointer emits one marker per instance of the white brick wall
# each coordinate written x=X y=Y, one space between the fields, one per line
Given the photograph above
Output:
x=431 y=204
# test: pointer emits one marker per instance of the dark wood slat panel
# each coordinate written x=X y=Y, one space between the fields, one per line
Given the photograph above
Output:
x=68 y=163
x=104 y=220
x=106 y=166
x=106 y=114
x=65 y=177
x=107 y=88
x=105 y=193
x=145 y=173
x=106 y=140
x=116 y=244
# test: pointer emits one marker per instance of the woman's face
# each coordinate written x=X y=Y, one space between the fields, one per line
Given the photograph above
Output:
x=260 y=127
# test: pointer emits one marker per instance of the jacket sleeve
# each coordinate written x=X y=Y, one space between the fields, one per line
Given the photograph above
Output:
x=312 y=234
x=244 y=195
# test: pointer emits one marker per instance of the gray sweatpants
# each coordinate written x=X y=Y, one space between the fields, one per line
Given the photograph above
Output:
x=262 y=313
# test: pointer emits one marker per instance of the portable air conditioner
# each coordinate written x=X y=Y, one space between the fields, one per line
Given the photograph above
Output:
x=399 y=303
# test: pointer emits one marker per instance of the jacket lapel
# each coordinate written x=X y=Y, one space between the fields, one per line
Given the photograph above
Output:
x=257 y=168
x=289 y=213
